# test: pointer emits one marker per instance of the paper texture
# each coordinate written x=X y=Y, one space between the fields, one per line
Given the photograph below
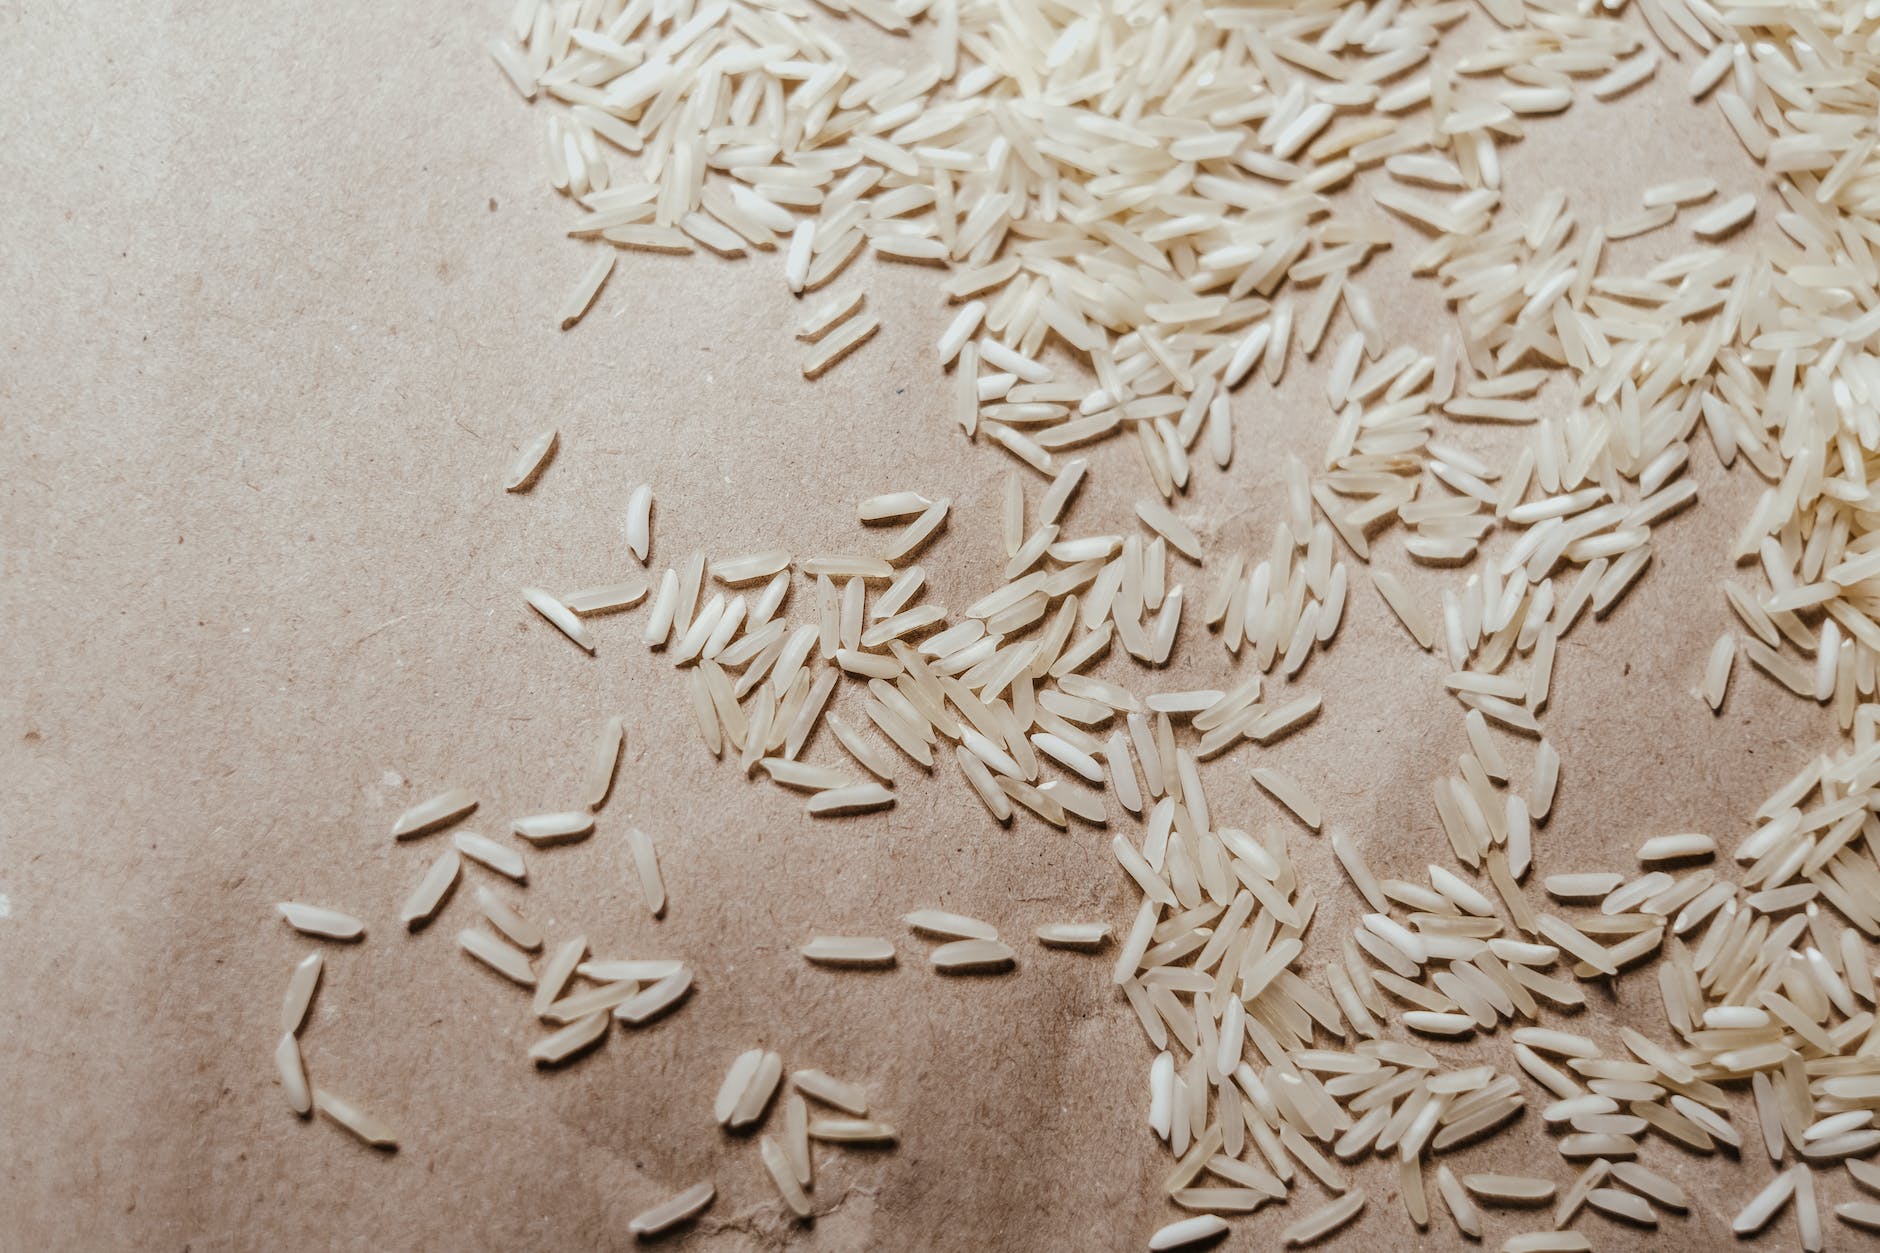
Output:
x=282 y=286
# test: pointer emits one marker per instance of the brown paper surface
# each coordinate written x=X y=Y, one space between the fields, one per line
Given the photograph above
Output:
x=280 y=294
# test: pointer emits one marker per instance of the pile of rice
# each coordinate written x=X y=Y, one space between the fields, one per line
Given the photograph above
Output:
x=1141 y=212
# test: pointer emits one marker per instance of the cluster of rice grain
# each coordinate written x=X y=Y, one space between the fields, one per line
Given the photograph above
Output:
x=1292 y=601
x=746 y=1096
x=1135 y=207
x=289 y=1061
x=1213 y=963
x=1154 y=190
x=1003 y=684
x=570 y=992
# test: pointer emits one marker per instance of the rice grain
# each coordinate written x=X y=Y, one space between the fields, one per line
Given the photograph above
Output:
x=1188 y=1233
x=533 y=458
x=317 y=920
x=856 y=799
x=1321 y=1223
x=777 y=1164
x=556 y=972
x=575 y=305
x=555 y=828
x=572 y=1040
x=650 y=1003
x=670 y=1213
x=300 y=988
x=849 y=950
x=508 y=962
x=646 y=865
x=509 y=921
x=639 y=524
x=851 y=1131
x=486 y=852
x=560 y=616
x=1088 y=936
x=972 y=957
x=355 y=1119
x=432 y=890
x=437 y=811
x=293 y=1072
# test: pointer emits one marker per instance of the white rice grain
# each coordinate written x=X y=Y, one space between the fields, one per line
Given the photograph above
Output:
x=646 y=866
x=1626 y=1206
x=509 y=921
x=508 y=962
x=577 y=1037
x=753 y=1095
x=532 y=459
x=1765 y=1205
x=1187 y=1233
x=1717 y=671
x=1408 y=612
x=1676 y=847
x=849 y=950
x=639 y=524
x=556 y=972
x=1725 y=218
x=1287 y=791
x=555 y=828
x=559 y=616
x=828 y=1090
x=670 y=1213
x=796 y=1138
x=437 y=811
x=851 y=1131
x=293 y=1073
x=972 y=957
x=317 y=920
x=607 y=598
x=501 y=858
x=1321 y=1223
x=1077 y=935
x=300 y=988
x=1547 y=1242
x=650 y=1003
x=355 y=1119
x=582 y=294
x=828 y=315
x=858 y=798
x=951 y=926
x=428 y=897
x=603 y=760
x=777 y=1164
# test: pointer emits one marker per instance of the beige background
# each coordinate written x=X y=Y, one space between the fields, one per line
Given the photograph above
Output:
x=279 y=284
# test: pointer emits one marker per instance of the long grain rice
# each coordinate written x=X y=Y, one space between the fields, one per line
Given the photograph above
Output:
x=300 y=988
x=318 y=920
x=435 y=812
x=535 y=455
x=653 y=1002
x=849 y=950
x=355 y=1119
x=673 y=1211
x=972 y=957
x=508 y=962
x=501 y=858
x=1316 y=1226
x=554 y=828
x=432 y=890
x=293 y=1073
x=646 y=866
x=559 y=616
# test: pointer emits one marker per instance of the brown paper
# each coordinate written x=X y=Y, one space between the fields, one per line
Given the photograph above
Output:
x=282 y=294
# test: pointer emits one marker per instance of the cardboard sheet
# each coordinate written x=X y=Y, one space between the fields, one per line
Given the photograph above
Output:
x=280 y=292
